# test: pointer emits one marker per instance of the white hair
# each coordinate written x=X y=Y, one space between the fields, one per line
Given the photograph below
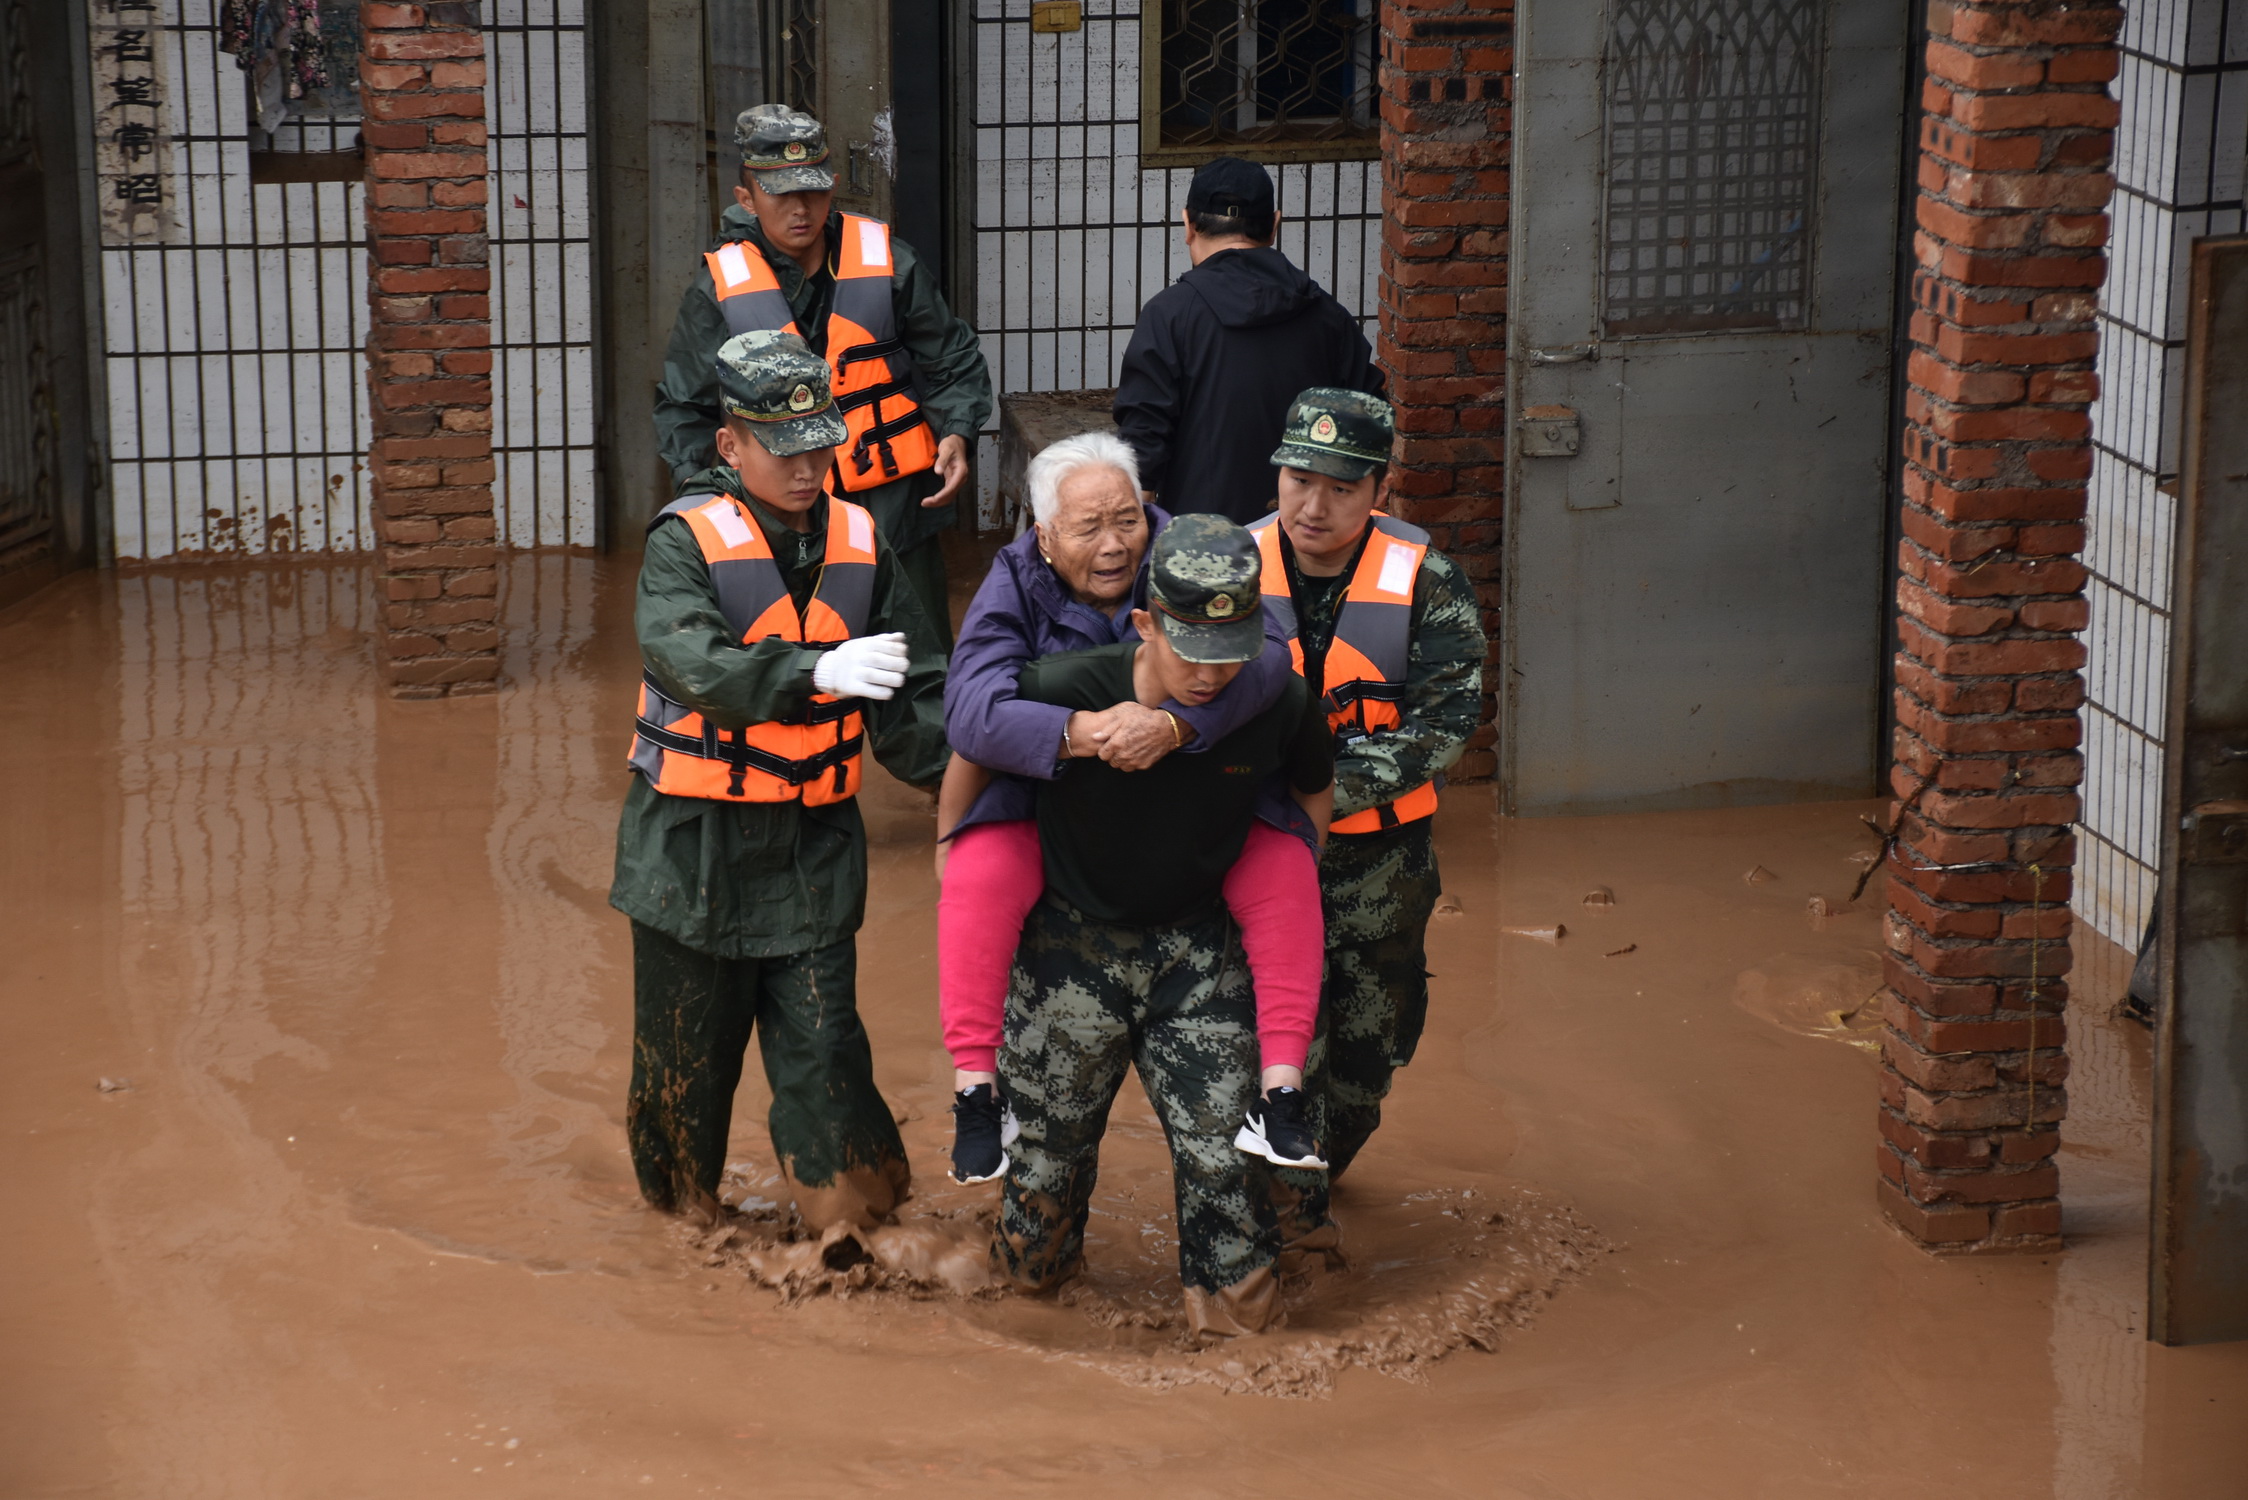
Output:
x=1057 y=461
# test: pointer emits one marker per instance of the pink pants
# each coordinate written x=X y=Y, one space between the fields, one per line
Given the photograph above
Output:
x=995 y=875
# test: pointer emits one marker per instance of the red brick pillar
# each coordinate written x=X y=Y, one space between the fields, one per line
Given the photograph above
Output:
x=429 y=358
x=2013 y=191
x=1447 y=123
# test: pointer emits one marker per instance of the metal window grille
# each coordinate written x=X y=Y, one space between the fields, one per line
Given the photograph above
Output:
x=235 y=311
x=2179 y=162
x=1712 y=147
x=1268 y=78
x=1072 y=235
x=540 y=222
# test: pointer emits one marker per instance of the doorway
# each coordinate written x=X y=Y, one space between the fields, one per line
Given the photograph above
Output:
x=48 y=478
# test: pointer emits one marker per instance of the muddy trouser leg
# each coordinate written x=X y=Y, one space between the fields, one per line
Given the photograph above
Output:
x=1377 y=1006
x=1373 y=1005
x=834 y=1137
x=1071 y=1005
x=923 y=567
x=691 y=1018
x=1197 y=1056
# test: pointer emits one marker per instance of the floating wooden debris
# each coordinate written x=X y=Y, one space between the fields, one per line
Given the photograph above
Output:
x=1553 y=934
x=1620 y=952
x=112 y=1085
x=1819 y=906
x=1758 y=875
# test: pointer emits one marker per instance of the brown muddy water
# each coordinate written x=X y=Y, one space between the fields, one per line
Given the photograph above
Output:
x=354 y=1217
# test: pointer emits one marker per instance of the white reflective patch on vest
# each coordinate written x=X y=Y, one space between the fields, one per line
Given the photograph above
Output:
x=734 y=264
x=861 y=530
x=727 y=522
x=1397 y=570
x=874 y=244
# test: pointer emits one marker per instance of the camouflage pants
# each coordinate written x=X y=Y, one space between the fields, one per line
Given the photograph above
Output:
x=1379 y=891
x=692 y=1017
x=1089 y=999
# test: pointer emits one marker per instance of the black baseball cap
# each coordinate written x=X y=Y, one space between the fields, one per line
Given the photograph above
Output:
x=1230 y=186
x=1203 y=579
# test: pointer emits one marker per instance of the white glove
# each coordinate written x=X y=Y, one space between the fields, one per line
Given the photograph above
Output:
x=866 y=666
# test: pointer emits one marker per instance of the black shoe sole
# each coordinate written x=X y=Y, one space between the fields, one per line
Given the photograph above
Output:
x=1005 y=1162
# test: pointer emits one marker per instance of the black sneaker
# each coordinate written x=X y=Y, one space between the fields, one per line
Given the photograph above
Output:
x=983 y=1127
x=1277 y=1131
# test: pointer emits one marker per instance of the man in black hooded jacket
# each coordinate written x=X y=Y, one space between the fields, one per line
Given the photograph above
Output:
x=1220 y=353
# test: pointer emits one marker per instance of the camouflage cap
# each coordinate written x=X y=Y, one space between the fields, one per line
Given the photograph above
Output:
x=1342 y=434
x=1203 y=581
x=779 y=387
x=784 y=147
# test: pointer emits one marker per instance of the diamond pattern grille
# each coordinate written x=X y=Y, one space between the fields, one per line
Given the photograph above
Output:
x=799 y=55
x=1712 y=152
x=1266 y=71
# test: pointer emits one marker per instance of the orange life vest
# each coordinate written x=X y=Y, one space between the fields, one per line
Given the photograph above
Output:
x=876 y=387
x=1367 y=660
x=813 y=754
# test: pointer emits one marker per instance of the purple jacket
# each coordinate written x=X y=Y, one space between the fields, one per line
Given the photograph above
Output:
x=1022 y=611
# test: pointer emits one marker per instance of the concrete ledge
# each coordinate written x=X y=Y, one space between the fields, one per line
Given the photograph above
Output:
x=1032 y=420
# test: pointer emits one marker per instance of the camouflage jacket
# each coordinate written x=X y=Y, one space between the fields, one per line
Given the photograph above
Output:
x=955 y=392
x=760 y=879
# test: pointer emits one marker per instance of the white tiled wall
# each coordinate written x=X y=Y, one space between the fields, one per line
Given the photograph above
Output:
x=2179 y=162
x=540 y=220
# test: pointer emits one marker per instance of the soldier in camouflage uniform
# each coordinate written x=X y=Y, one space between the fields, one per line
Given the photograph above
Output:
x=908 y=375
x=1390 y=637
x=1131 y=958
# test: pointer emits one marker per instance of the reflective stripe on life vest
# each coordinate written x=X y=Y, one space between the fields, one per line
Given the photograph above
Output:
x=1371 y=650
x=813 y=753
x=876 y=387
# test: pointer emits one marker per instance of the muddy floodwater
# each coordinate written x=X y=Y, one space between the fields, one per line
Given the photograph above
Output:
x=314 y=1033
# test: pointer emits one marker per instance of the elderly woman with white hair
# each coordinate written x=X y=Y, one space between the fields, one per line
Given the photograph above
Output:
x=1071 y=584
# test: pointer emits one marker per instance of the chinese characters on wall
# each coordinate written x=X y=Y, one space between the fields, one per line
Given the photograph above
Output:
x=132 y=121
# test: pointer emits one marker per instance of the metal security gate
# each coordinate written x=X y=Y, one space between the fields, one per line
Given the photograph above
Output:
x=540 y=221
x=233 y=251
x=2180 y=152
x=235 y=301
x=1077 y=190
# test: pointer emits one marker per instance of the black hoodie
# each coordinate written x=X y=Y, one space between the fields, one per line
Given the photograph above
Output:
x=1212 y=366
